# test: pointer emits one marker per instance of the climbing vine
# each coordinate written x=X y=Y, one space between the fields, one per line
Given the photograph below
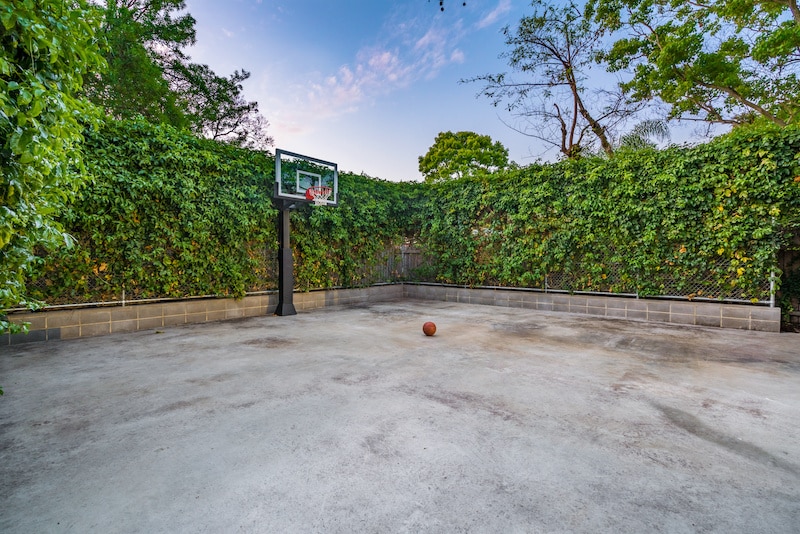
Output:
x=165 y=214
x=632 y=224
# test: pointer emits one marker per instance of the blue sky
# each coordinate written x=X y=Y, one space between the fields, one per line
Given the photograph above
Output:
x=367 y=84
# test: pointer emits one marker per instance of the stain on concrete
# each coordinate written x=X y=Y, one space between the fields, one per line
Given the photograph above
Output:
x=460 y=401
x=739 y=446
x=270 y=342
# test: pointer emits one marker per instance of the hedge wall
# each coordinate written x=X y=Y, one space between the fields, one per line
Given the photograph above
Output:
x=168 y=215
x=642 y=222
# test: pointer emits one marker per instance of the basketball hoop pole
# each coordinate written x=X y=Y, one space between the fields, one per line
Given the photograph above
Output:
x=298 y=179
x=285 y=262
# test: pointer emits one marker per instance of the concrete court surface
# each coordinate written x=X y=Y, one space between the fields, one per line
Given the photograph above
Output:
x=351 y=420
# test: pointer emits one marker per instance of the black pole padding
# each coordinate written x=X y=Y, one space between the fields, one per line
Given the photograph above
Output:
x=285 y=262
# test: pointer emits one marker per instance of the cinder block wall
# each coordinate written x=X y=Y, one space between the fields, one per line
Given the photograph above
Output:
x=714 y=314
x=75 y=323
x=84 y=322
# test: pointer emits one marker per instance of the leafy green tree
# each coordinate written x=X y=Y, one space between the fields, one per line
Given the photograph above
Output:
x=149 y=75
x=454 y=155
x=144 y=47
x=47 y=48
x=711 y=60
x=555 y=49
x=217 y=109
x=644 y=134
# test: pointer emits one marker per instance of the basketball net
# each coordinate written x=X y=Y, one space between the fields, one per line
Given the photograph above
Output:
x=319 y=194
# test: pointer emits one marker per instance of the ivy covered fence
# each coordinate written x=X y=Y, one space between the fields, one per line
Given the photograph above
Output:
x=165 y=214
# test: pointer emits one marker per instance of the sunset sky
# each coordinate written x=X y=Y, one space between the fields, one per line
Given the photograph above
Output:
x=367 y=84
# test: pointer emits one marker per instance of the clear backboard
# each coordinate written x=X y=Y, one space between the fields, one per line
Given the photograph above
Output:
x=295 y=174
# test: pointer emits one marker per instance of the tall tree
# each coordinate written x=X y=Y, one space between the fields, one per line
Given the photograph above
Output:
x=710 y=60
x=454 y=155
x=554 y=49
x=150 y=75
x=217 y=109
x=48 y=46
x=145 y=39
x=645 y=134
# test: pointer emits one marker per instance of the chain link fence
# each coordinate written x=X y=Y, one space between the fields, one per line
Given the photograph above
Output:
x=409 y=263
x=671 y=283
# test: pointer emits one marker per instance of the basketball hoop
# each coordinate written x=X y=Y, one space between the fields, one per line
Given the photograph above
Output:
x=319 y=194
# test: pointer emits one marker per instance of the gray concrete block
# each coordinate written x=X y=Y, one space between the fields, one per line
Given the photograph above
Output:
x=194 y=318
x=253 y=311
x=561 y=299
x=95 y=316
x=615 y=303
x=59 y=318
x=741 y=324
x=597 y=302
x=658 y=306
x=636 y=314
x=682 y=308
x=147 y=311
x=580 y=305
x=762 y=313
x=215 y=315
x=145 y=323
x=174 y=320
x=216 y=305
x=36 y=321
x=616 y=312
x=765 y=326
x=197 y=306
x=635 y=304
x=95 y=329
x=681 y=318
x=125 y=313
x=708 y=320
x=707 y=308
x=658 y=316
x=126 y=325
x=736 y=312
x=174 y=308
x=70 y=332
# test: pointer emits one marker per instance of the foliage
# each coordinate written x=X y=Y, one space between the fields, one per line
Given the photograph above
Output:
x=555 y=49
x=165 y=215
x=716 y=60
x=633 y=223
x=441 y=5
x=143 y=39
x=169 y=215
x=342 y=246
x=149 y=75
x=454 y=155
x=790 y=294
x=47 y=47
x=644 y=134
x=217 y=109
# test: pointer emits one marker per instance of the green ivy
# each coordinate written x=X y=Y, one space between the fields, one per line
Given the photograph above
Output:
x=165 y=214
x=633 y=223
x=168 y=215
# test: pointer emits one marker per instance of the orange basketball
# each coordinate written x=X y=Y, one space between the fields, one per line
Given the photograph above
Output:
x=429 y=328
